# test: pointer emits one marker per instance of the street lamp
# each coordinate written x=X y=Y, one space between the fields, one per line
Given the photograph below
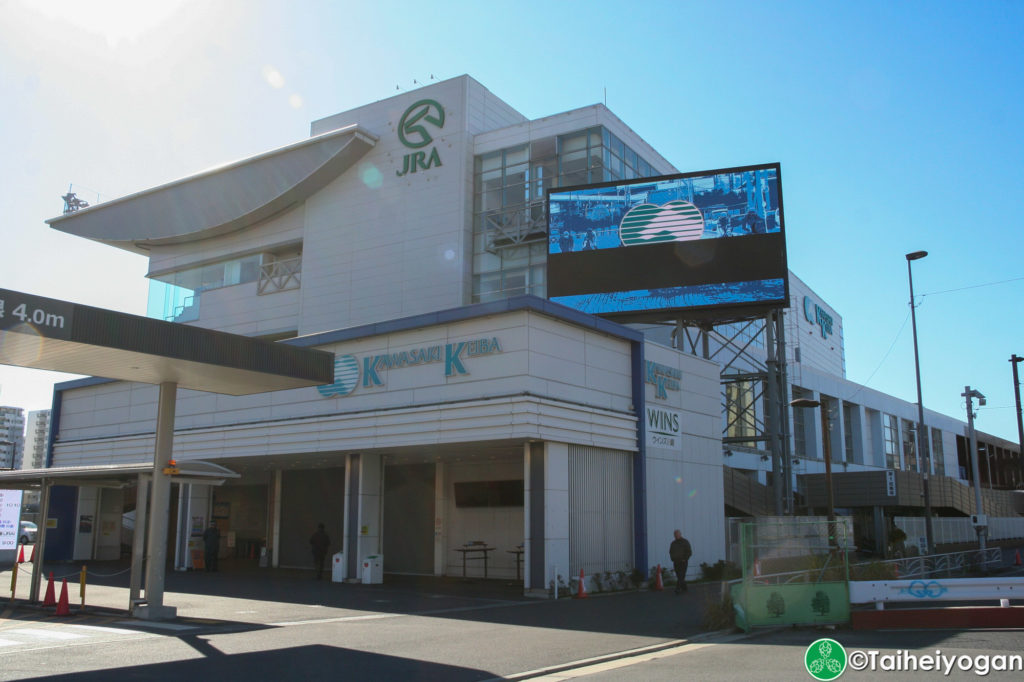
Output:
x=980 y=527
x=924 y=450
x=1014 y=360
x=827 y=453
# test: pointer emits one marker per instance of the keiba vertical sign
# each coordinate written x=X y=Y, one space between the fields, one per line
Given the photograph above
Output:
x=414 y=133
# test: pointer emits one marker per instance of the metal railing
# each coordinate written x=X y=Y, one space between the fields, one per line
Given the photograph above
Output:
x=930 y=566
x=952 y=563
x=280 y=275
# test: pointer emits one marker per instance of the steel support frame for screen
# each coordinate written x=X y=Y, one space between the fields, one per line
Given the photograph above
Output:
x=770 y=387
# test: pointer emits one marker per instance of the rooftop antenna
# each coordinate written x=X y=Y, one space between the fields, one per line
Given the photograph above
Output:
x=72 y=203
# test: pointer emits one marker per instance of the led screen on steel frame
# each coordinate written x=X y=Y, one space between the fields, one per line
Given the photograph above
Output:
x=692 y=242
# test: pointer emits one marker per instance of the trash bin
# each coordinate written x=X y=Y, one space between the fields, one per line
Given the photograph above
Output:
x=338 y=568
x=373 y=569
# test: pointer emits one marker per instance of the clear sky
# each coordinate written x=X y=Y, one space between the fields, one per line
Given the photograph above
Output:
x=898 y=126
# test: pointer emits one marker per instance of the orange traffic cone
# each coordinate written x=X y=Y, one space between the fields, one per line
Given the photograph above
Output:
x=658 y=586
x=581 y=593
x=62 y=606
x=21 y=554
x=50 y=599
x=1016 y=559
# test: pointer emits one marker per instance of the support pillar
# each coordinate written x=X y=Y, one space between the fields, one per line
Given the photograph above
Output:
x=139 y=540
x=39 y=551
x=156 y=554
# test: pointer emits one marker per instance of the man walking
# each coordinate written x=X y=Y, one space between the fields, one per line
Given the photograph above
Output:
x=319 y=543
x=679 y=552
x=211 y=546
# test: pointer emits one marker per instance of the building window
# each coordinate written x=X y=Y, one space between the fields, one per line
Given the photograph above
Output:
x=739 y=409
x=800 y=424
x=509 y=220
x=909 y=446
x=848 y=427
x=174 y=296
x=890 y=437
x=938 y=456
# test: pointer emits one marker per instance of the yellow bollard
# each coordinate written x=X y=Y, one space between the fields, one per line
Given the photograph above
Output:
x=81 y=586
x=14 y=579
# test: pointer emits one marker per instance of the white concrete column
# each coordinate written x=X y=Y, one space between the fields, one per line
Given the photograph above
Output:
x=156 y=552
x=370 y=481
x=88 y=505
x=440 y=518
x=139 y=540
x=556 y=511
x=275 y=516
x=545 y=515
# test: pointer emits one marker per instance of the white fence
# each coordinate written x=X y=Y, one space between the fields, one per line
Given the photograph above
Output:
x=879 y=592
x=945 y=530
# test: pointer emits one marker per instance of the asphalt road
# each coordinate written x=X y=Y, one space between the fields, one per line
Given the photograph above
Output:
x=281 y=625
x=779 y=656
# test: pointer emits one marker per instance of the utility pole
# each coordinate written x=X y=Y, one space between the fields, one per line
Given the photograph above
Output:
x=1014 y=360
x=982 y=529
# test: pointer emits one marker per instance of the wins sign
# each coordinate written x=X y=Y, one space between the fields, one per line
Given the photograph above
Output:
x=664 y=428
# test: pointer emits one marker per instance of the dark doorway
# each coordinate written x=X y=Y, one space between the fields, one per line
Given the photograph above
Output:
x=409 y=519
x=307 y=498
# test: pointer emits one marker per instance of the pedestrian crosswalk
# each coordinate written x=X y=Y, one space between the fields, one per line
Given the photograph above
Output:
x=21 y=635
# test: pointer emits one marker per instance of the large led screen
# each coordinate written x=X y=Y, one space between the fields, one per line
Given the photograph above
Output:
x=692 y=242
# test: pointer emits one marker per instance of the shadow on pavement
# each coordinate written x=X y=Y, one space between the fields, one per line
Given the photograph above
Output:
x=644 y=613
x=304 y=662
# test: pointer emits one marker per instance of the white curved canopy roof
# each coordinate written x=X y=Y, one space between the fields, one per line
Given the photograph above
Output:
x=221 y=200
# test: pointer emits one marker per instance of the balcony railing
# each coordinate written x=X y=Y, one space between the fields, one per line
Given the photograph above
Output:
x=280 y=275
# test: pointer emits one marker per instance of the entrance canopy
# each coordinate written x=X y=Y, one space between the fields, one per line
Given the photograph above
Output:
x=113 y=475
x=46 y=333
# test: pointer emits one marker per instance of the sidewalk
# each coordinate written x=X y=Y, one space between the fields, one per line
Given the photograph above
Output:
x=243 y=597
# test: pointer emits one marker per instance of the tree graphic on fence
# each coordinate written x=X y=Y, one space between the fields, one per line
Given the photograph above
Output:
x=776 y=604
x=821 y=604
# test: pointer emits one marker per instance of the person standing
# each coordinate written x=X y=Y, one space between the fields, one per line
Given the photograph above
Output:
x=679 y=552
x=319 y=543
x=211 y=546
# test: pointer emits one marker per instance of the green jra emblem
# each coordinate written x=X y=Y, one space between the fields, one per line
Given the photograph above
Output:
x=419 y=160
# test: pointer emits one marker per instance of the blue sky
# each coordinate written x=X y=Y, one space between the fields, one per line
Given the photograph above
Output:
x=898 y=127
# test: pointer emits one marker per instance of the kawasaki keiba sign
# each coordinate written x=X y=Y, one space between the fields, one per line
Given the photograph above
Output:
x=414 y=132
x=371 y=371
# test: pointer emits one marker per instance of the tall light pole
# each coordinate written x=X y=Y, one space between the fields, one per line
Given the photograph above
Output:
x=924 y=451
x=1014 y=360
x=827 y=453
x=982 y=529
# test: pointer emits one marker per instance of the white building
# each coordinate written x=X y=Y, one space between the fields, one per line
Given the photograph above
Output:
x=37 y=438
x=408 y=237
x=398 y=237
x=12 y=437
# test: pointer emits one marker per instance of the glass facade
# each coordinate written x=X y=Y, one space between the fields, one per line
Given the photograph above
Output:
x=509 y=222
x=909 y=446
x=848 y=427
x=890 y=438
x=938 y=463
x=739 y=410
x=175 y=296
